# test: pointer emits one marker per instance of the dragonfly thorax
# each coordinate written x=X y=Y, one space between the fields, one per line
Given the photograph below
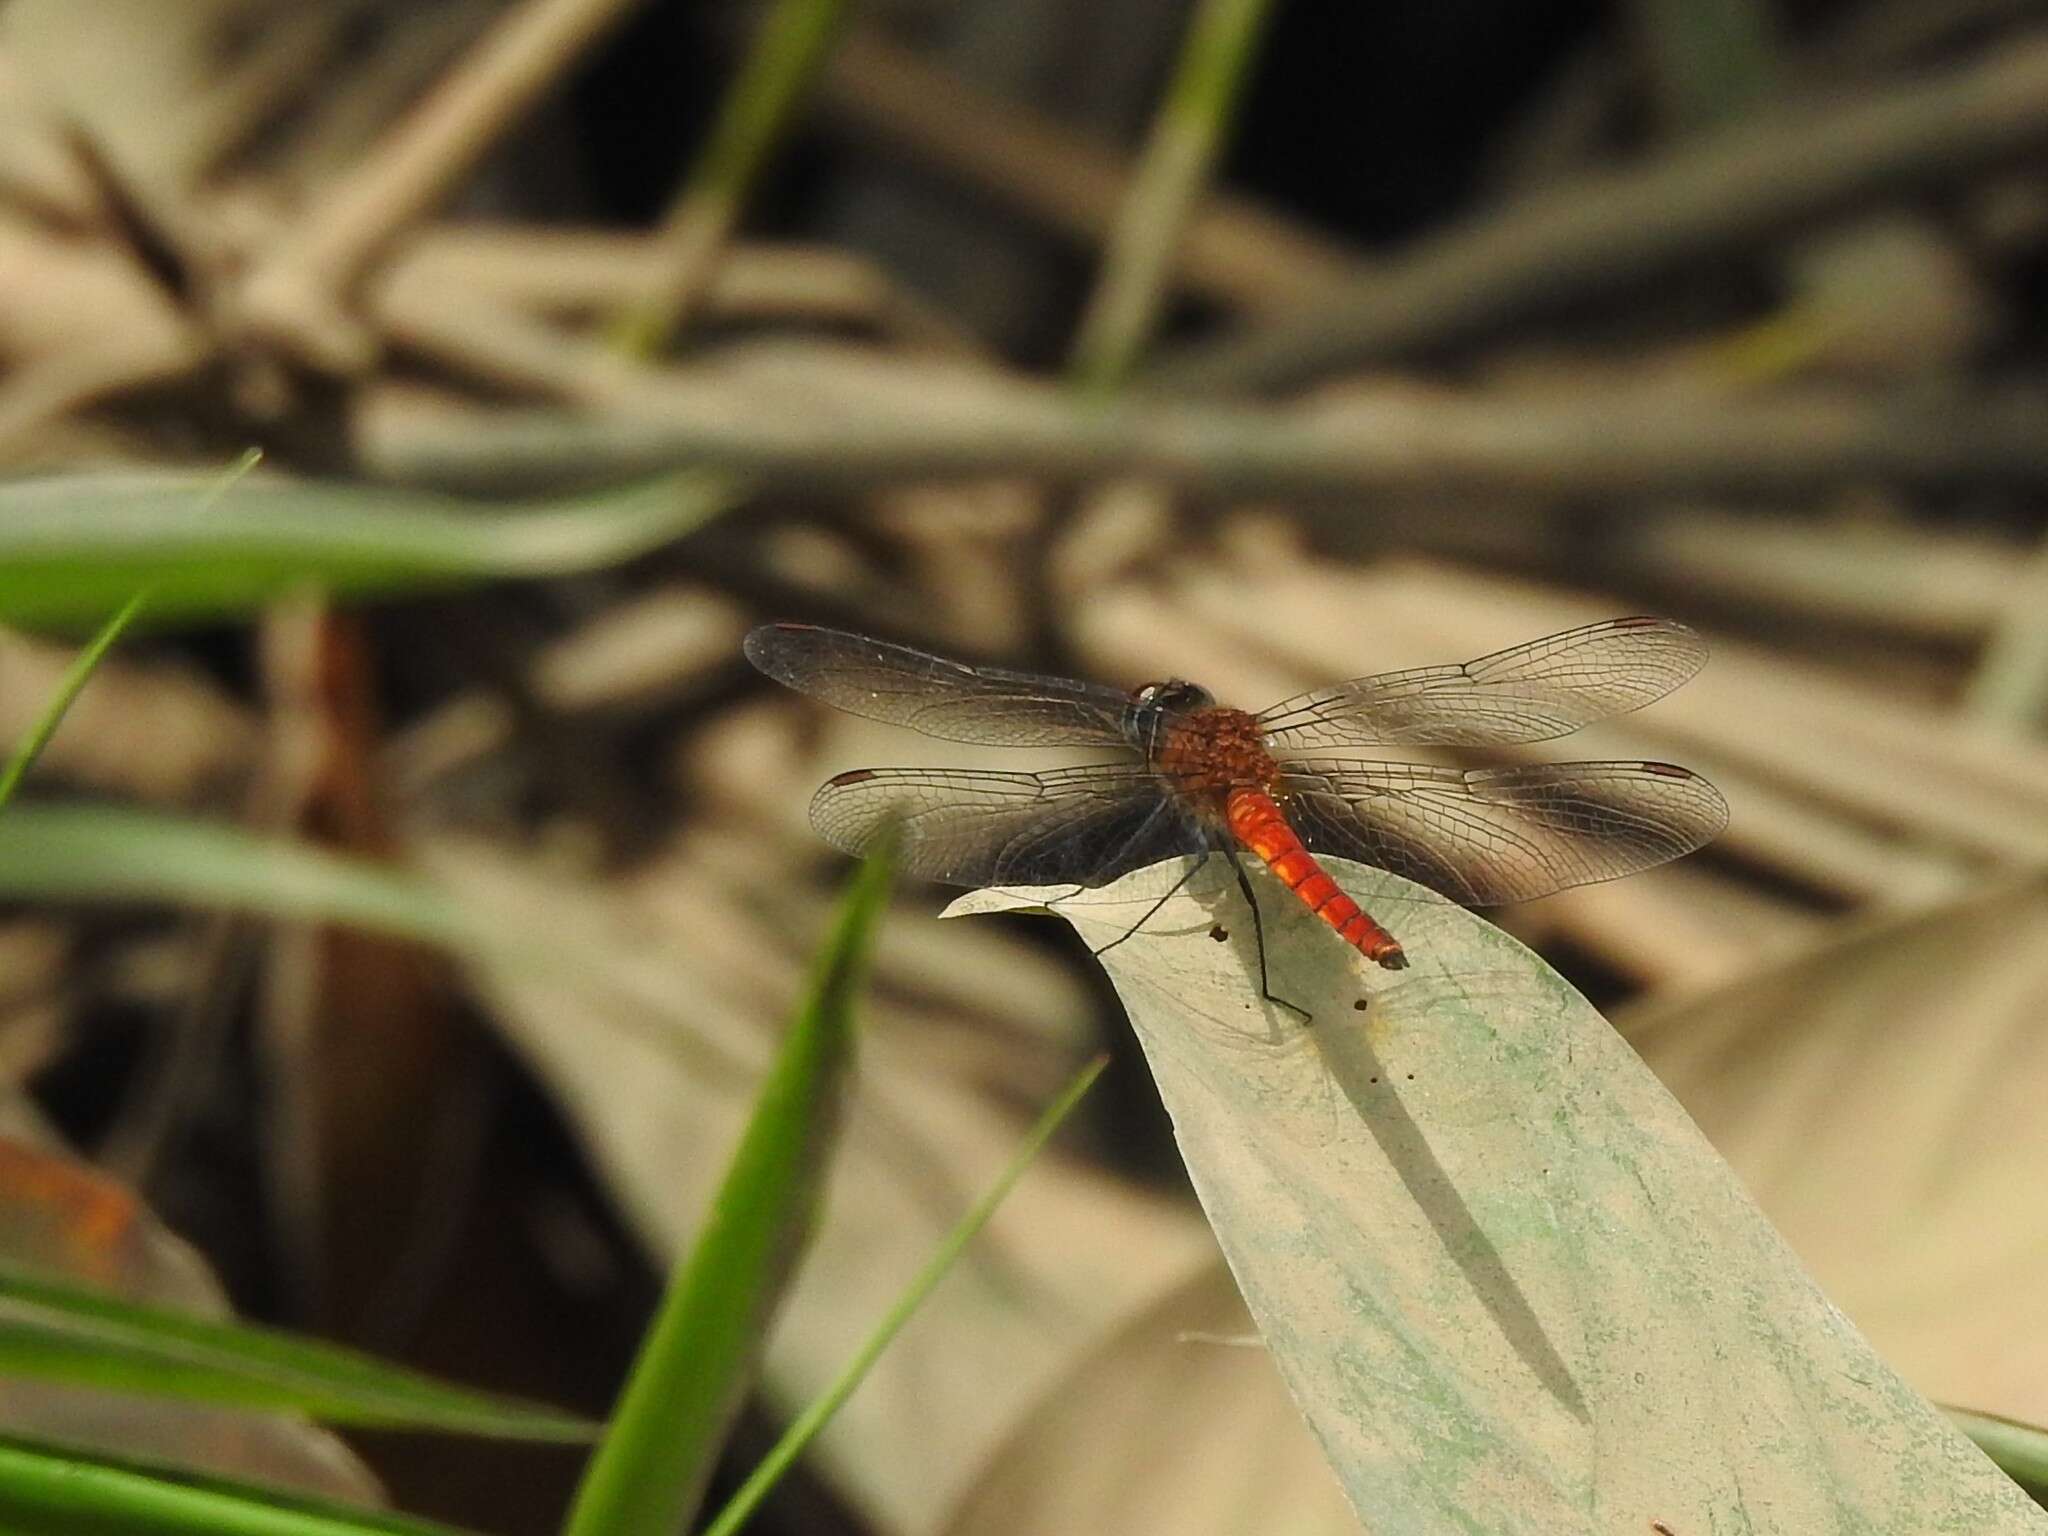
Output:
x=1206 y=754
x=1200 y=748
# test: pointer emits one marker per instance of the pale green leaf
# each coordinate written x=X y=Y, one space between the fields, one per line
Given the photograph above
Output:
x=1509 y=1284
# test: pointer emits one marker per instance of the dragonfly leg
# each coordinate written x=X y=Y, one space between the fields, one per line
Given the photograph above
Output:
x=1153 y=910
x=1266 y=991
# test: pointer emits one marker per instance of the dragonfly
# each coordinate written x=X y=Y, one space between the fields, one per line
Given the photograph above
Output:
x=1194 y=777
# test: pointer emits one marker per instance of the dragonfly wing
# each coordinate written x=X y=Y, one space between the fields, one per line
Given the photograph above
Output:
x=1070 y=826
x=1532 y=692
x=948 y=699
x=1491 y=835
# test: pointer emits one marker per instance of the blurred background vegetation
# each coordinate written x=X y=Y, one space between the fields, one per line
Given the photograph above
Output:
x=1262 y=344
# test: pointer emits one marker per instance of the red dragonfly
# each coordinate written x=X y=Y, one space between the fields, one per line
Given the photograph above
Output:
x=1199 y=778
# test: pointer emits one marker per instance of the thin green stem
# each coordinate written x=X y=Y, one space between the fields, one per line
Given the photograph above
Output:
x=82 y=667
x=87 y=661
x=772 y=85
x=1710 y=60
x=2008 y=690
x=1214 y=62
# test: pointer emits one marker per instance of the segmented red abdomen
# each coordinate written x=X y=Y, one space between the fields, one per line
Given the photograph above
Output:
x=1257 y=821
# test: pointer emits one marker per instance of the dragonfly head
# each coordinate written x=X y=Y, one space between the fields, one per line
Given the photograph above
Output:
x=1156 y=705
x=1172 y=697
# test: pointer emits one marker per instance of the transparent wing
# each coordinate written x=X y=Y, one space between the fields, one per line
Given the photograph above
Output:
x=1491 y=835
x=1071 y=826
x=928 y=693
x=1531 y=692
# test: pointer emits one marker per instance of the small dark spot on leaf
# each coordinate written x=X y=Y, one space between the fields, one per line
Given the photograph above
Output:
x=1219 y=933
x=1411 y=1077
x=1362 y=1004
x=1662 y=1529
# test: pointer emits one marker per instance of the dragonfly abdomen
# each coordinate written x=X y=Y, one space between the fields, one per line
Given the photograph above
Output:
x=1256 y=820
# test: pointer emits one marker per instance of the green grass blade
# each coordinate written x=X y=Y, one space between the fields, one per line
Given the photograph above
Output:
x=72 y=548
x=51 y=1492
x=30 y=747
x=109 y=853
x=54 y=1332
x=92 y=853
x=113 y=854
x=698 y=1358
x=2021 y=1450
x=806 y=1426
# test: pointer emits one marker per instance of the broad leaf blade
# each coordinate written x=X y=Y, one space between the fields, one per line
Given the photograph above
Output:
x=75 y=548
x=1508 y=1282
